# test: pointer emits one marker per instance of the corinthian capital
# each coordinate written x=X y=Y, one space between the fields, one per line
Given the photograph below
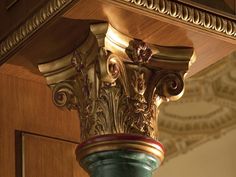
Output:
x=116 y=82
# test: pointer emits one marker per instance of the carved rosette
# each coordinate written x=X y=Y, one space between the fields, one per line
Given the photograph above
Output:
x=117 y=83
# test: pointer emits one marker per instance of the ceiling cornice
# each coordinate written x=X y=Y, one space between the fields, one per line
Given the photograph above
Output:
x=31 y=25
x=171 y=11
x=201 y=19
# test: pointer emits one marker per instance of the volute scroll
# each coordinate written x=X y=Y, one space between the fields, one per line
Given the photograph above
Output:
x=117 y=83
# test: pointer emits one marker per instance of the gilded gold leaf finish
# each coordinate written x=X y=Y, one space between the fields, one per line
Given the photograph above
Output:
x=115 y=93
x=63 y=96
x=140 y=52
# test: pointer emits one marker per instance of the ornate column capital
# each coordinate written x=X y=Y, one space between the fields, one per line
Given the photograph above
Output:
x=117 y=84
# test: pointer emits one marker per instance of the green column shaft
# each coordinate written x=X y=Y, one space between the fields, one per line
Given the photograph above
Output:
x=120 y=163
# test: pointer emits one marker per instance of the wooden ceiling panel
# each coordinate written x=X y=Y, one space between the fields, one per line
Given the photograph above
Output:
x=65 y=33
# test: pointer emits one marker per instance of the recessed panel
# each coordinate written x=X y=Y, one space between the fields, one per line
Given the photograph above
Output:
x=48 y=157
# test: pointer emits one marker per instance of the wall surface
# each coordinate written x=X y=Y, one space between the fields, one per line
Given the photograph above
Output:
x=50 y=136
x=36 y=138
x=216 y=158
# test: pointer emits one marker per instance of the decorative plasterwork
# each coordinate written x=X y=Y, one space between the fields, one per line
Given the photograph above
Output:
x=28 y=28
x=185 y=13
x=116 y=82
x=206 y=111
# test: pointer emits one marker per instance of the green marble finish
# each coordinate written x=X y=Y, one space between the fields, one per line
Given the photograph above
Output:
x=122 y=163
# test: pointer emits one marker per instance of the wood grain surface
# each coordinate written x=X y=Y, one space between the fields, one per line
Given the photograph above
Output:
x=54 y=41
x=25 y=105
x=67 y=32
x=48 y=157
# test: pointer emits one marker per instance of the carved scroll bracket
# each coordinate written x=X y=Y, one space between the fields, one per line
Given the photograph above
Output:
x=117 y=83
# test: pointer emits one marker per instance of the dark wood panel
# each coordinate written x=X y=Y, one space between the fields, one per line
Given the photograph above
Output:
x=49 y=45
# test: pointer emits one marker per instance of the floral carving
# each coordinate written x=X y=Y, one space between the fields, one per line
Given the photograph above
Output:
x=107 y=104
x=114 y=95
x=141 y=53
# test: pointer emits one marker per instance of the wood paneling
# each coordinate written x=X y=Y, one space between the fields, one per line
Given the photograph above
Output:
x=26 y=105
x=49 y=45
x=125 y=18
x=208 y=48
x=47 y=157
x=63 y=35
x=18 y=71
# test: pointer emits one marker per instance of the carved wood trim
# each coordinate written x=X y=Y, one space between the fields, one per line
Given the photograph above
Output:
x=184 y=14
x=31 y=26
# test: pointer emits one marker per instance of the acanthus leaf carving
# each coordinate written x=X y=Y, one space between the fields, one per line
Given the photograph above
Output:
x=118 y=93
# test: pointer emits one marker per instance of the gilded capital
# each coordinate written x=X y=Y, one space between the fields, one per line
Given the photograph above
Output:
x=117 y=83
